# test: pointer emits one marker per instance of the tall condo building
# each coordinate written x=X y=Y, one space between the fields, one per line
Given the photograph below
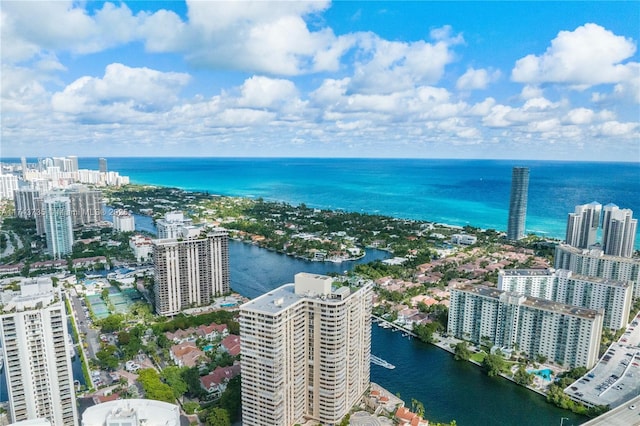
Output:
x=583 y=224
x=518 y=203
x=172 y=224
x=86 y=205
x=305 y=352
x=102 y=165
x=564 y=334
x=190 y=271
x=123 y=221
x=618 y=231
x=24 y=201
x=58 y=228
x=595 y=263
x=8 y=184
x=33 y=329
x=613 y=297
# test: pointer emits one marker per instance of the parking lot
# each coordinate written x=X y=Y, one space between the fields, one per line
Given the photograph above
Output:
x=616 y=377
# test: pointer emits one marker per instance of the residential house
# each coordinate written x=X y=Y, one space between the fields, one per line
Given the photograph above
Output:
x=216 y=382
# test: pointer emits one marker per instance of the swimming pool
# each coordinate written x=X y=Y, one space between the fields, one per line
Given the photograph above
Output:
x=545 y=373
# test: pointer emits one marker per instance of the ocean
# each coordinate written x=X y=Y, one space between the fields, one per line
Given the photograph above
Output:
x=455 y=192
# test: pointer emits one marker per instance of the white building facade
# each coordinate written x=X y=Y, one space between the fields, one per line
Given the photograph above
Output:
x=595 y=263
x=564 y=334
x=583 y=224
x=191 y=271
x=33 y=329
x=123 y=221
x=613 y=297
x=305 y=352
x=58 y=227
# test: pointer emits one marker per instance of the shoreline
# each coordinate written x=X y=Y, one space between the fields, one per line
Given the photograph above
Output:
x=538 y=233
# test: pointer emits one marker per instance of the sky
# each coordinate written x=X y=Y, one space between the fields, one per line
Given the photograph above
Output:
x=423 y=79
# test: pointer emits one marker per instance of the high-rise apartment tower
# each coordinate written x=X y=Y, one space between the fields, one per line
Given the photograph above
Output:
x=305 y=352
x=58 y=227
x=33 y=329
x=618 y=231
x=583 y=224
x=518 y=203
x=190 y=271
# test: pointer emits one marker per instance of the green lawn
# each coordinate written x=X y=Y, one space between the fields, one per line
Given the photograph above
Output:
x=478 y=356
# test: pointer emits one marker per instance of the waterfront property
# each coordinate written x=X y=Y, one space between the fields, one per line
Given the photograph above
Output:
x=190 y=271
x=305 y=352
x=612 y=296
x=518 y=203
x=595 y=263
x=564 y=334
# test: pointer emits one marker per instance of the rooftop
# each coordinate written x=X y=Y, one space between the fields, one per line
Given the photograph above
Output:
x=534 y=302
x=527 y=272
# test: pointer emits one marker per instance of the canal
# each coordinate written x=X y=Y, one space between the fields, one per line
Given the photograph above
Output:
x=449 y=389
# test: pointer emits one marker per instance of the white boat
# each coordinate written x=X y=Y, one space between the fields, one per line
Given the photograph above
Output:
x=381 y=362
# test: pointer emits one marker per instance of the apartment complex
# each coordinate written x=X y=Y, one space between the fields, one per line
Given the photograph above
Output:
x=612 y=296
x=565 y=334
x=618 y=231
x=583 y=224
x=518 y=203
x=57 y=226
x=171 y=225
x=595 y=263
x=24 y=201
x=123 y=221
x=190 y=271
x=33 y=329
x=85 y=206
x=305 y=352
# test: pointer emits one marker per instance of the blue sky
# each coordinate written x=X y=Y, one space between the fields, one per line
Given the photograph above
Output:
x=517 y=80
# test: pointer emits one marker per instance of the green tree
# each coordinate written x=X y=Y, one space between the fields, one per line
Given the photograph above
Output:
x=218 y=417
x=173 y=377
x=493 y=363
x=462 y=352
x=112 y=323
x=153 y=387
x=107 y=358
x=521 y=376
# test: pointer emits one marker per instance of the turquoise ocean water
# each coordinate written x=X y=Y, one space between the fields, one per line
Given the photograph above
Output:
x=456 y=192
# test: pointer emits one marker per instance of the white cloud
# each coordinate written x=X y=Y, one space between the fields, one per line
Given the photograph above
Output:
x=579 y=116
x=390 y=66
x=616 y=128
x=264 y=92
x=62 y=25
x=587 y=56
x=476 y=79
x=121 y=90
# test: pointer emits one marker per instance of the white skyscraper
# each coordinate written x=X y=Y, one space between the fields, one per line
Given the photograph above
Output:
x=564 y=334
x=57 y=225
x=171 y=225
x=583 y=224
x=33 y=329
x=612 y=296
x=124 y=221
x=24 y=201
x=618 y=231
x=191 y=271
x=305 y=352
x=8 y=184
